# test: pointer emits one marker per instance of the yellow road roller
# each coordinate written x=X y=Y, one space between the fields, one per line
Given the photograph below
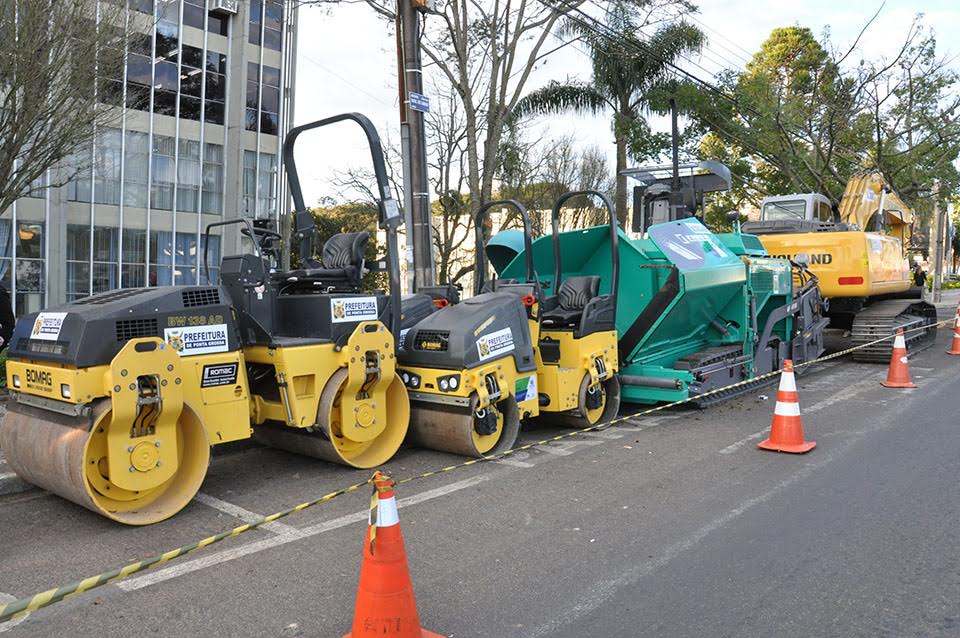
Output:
x=476 y=369
x=116 y=398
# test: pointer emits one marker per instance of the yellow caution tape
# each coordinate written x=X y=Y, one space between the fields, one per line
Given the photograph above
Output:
x=51 y=596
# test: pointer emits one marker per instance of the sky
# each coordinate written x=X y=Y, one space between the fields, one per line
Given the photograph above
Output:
x=346 y=61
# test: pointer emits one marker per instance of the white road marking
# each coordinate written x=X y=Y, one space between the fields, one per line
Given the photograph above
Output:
x=154 y=577
x=607 y=435
x=843 y=395
x=10 y=624
x=514 y=463
x=244 y=515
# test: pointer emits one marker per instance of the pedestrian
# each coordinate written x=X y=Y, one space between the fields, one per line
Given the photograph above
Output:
x=919 y=276
x=7 y=319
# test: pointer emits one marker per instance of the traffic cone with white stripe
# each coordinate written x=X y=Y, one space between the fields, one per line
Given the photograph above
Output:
x=786 y=432
x=898 y=375
x=955 y=344
x=385 y=603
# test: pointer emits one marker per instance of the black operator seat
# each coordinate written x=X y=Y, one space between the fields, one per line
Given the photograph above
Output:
x=340 y=268
x=566 y=309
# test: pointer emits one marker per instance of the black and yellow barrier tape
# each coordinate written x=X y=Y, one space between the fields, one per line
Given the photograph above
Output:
x=44 y=599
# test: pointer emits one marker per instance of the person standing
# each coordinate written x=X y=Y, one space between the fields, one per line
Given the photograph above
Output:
x=919 y=276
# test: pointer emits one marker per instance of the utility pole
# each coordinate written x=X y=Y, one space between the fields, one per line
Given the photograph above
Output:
x=413 y=139
x=938 y=253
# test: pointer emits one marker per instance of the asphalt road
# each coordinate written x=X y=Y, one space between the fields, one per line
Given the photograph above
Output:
x=670 y=525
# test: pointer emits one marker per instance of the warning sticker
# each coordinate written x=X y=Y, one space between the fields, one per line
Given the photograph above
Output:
x=47 y=326
x=495 y=344
x=197 y=340
x=525 y=388
x=219 y=374
x=346 y=309
x=403 y=337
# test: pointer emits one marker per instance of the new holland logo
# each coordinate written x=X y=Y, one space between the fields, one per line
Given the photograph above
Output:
x=495 y=344
x=344 y=309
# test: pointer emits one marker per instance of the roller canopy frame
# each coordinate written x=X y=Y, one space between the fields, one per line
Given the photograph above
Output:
x=478 y=220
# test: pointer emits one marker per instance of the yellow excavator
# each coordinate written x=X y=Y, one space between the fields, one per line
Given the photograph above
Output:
x=858 y=253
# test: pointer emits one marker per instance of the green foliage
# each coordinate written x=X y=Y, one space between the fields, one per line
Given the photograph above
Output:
x=626 y=71
x=3 y=368
x=806 y=119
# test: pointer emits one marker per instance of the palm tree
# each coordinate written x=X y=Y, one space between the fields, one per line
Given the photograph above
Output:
x=626 y=69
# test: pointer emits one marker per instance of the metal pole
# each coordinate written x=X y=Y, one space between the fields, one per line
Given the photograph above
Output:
x=938 y=215
x=417 y=189
x=676 y=197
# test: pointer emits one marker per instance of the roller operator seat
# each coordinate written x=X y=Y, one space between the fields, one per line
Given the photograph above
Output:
x=340 y=268
x=572 y=297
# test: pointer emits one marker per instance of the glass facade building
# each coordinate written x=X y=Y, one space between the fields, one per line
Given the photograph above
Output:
x=202 y=106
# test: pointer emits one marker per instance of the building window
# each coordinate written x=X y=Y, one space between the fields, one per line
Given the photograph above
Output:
x=191 y=82
x=268 y=185
x=106 y=167
x=134 y=258
x=143 y=6
x=213 y=260
x=164 y=173
x=256 y=21
x=188 y=176
x=139 y=71
x=161 y=258
x=212 y=200
x=166 y=80
x=262 y=203
x=29 y=269
x=263 y=98
x=249 y=183
x=38 y=187
x=177 y=262
x=104 y=258
x=217 y=24
x=193 y=11
x=136 y=168
x=272 y=24
x=216 y=80
x=78 y=170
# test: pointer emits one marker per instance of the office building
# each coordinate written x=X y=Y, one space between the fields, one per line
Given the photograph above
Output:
x=205 y=99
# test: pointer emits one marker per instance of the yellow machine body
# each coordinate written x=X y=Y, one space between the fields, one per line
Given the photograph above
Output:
x=847 y=263
x=593 y=357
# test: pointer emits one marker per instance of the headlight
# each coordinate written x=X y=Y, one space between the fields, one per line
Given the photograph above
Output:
x=406 y=378
x=16 y=380
x=444 y=385
x=415 y=382
x=64 y=390
x=454 y=383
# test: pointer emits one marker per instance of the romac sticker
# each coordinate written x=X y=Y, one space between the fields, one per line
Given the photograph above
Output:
x=219 y=374
x=344 y=309
x=47 y=326
x=525 y=388
x=495 y=344
x=197 y=339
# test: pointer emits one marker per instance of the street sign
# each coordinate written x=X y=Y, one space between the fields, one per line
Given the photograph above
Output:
x=419 y=102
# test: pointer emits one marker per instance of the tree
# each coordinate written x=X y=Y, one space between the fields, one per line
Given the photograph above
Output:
x=625 y=69
x=806 y=119
x=59 y=77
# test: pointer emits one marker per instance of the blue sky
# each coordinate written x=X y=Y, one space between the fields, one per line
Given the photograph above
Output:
x=346 y=62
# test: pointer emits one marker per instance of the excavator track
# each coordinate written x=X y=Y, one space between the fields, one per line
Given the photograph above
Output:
x=883 y=318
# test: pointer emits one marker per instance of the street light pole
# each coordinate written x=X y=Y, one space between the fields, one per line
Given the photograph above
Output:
x=940 y=225
x=414 y=146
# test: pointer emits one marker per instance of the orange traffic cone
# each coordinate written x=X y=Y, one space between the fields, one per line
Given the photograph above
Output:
x=898 y=376
x=955 y=344
x=786 y=433
x=385 y=603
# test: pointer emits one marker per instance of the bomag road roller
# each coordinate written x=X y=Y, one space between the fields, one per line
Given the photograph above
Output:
x=476 y=369
x=116 y=399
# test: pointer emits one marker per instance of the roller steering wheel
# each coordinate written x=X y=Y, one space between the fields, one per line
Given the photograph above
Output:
x=260 y=233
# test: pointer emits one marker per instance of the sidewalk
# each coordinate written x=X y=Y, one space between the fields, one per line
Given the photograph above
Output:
x=949 y=300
